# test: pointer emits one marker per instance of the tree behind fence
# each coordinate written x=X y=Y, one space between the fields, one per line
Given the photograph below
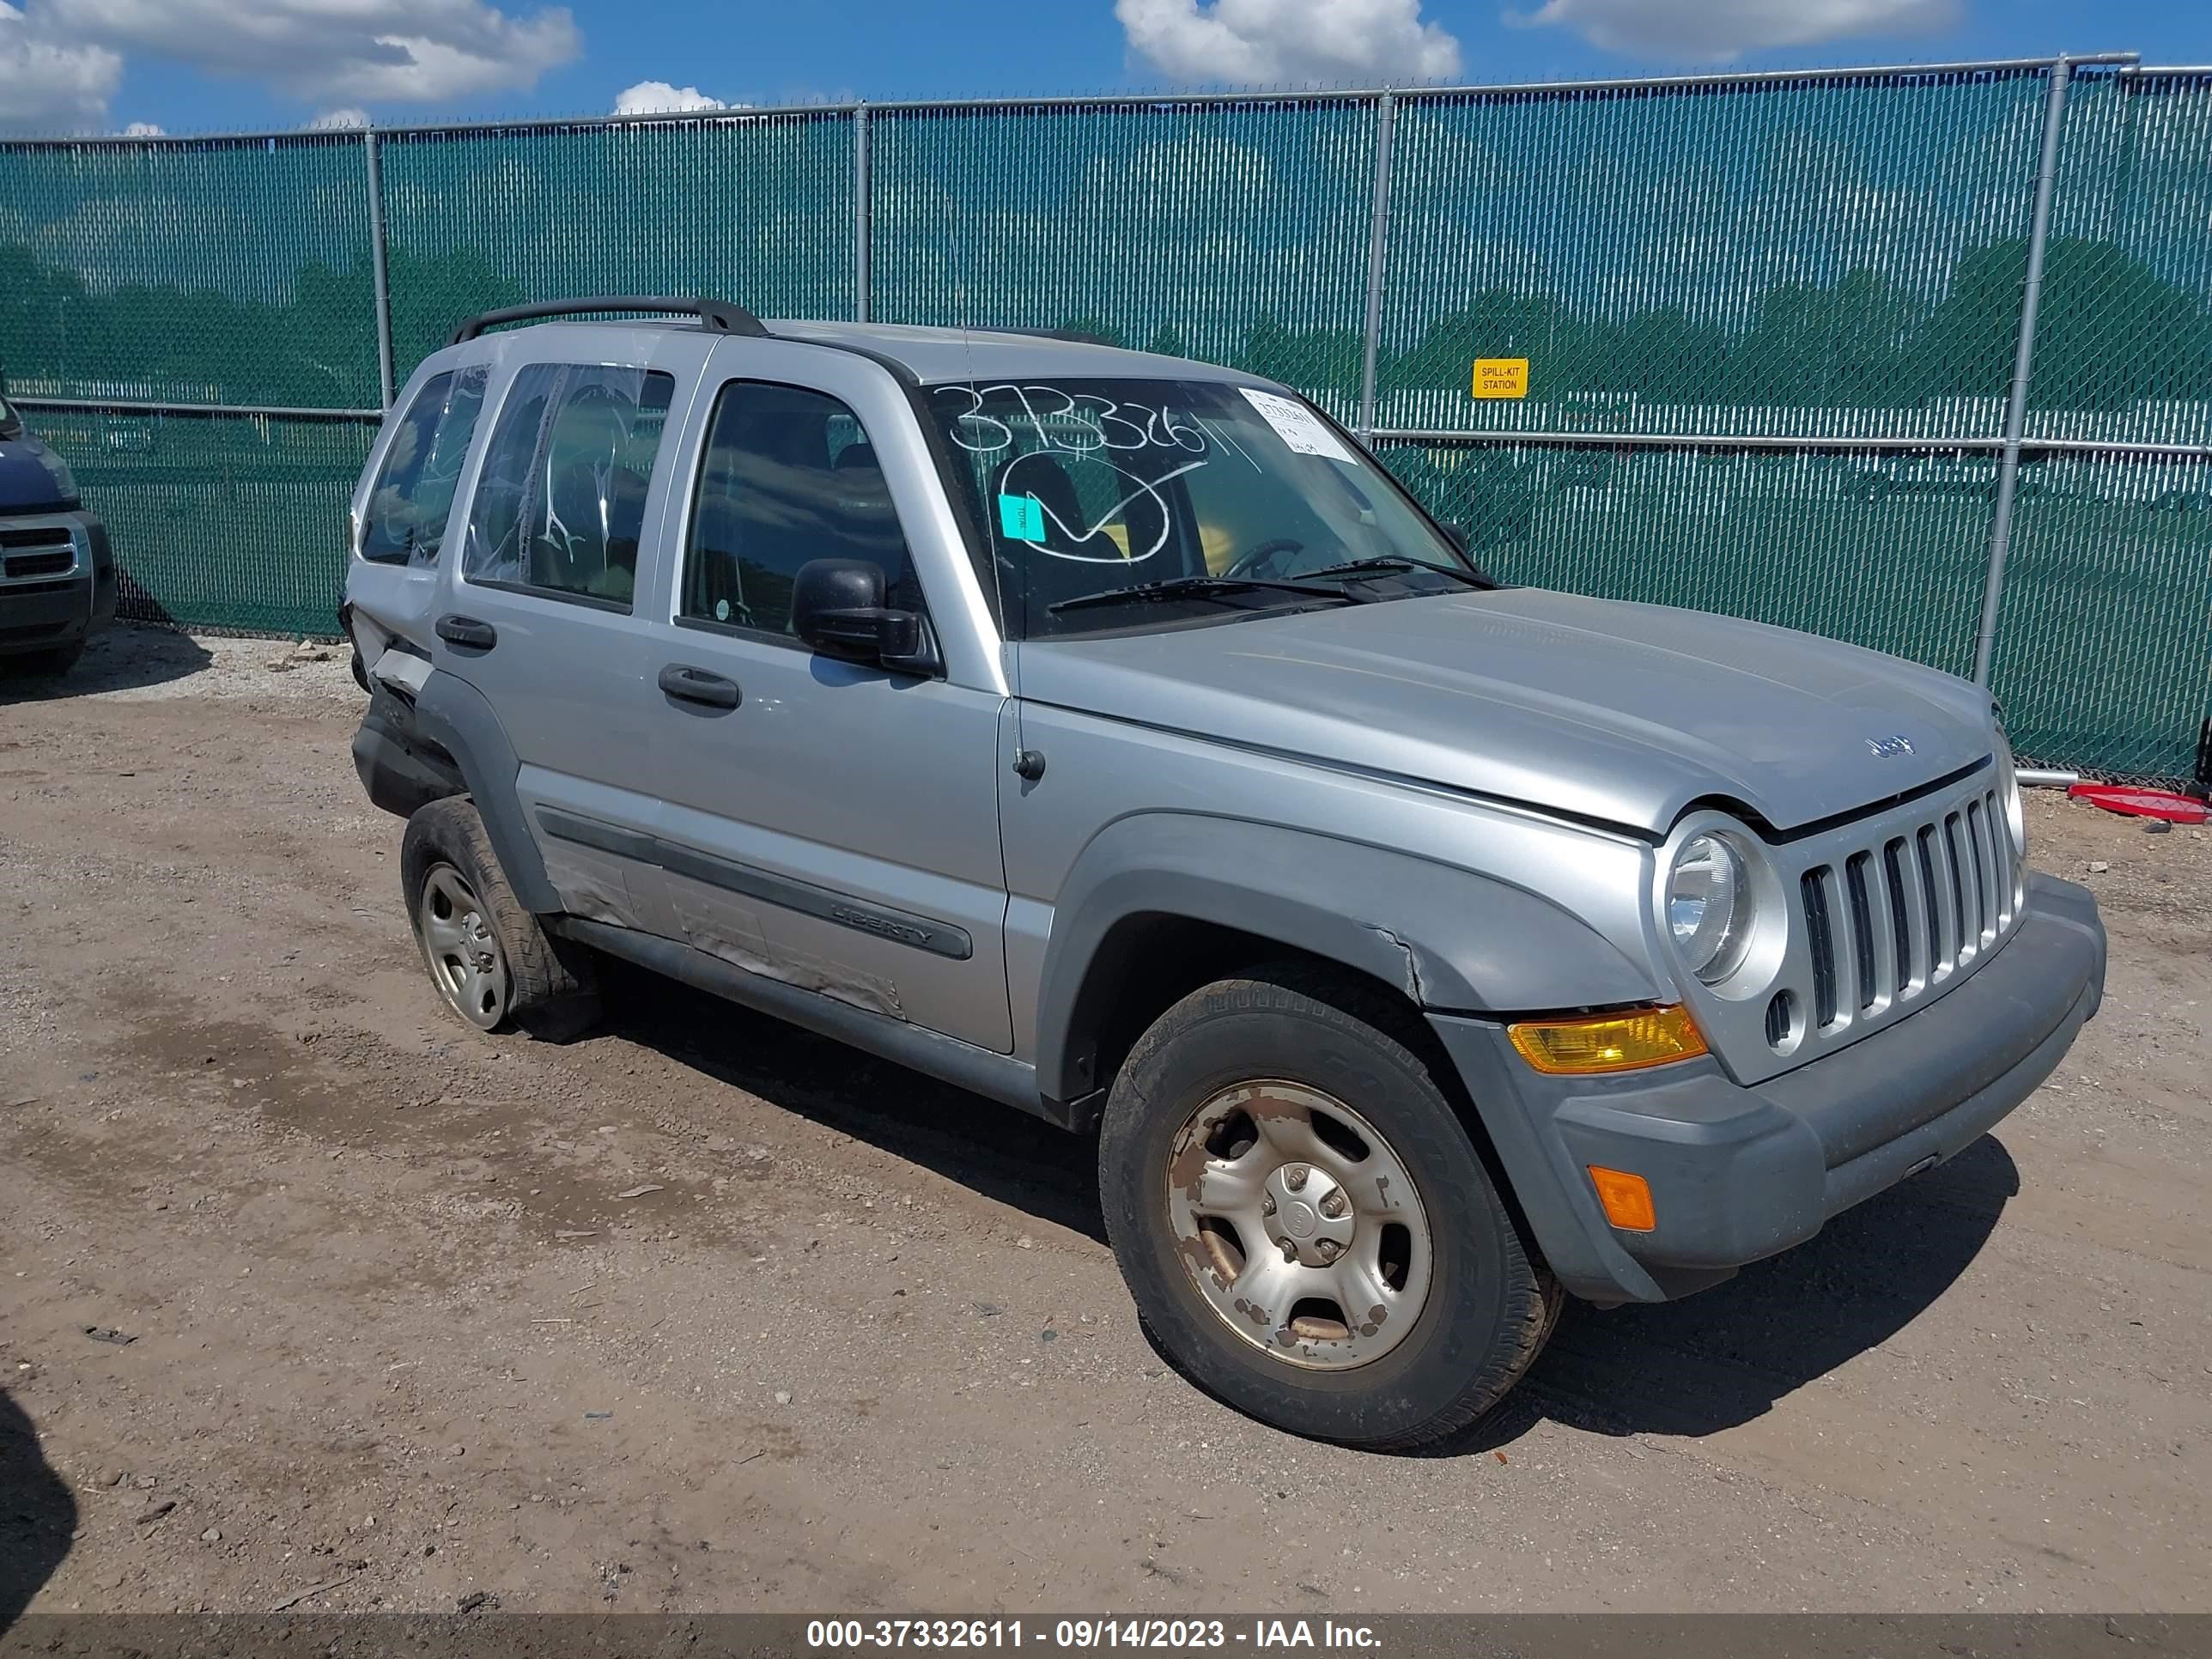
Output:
x=1770 y=326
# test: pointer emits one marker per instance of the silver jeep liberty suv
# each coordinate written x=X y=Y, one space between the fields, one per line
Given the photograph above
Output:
x=1111 y=734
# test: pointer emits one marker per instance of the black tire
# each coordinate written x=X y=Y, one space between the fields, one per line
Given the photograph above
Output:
x=1490 y=1303
x=551 y=989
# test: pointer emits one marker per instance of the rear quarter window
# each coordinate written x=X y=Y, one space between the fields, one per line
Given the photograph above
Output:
x=405 y=523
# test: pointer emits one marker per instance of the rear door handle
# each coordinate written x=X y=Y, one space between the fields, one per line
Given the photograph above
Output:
x=697 y=685
x=467 y=631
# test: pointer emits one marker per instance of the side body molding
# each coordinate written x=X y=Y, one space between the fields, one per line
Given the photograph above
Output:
x=455 y=715
x=1450 y=938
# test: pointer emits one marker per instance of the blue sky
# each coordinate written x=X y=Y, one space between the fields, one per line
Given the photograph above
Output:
x=194 y=66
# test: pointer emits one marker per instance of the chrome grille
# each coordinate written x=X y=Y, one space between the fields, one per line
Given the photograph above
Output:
x=35 y=552
x=1890 y=921
x=43 y=535
x=24 y=566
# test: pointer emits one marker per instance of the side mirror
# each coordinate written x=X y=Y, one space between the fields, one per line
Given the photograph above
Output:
x=1457 y=535
x=837 y=607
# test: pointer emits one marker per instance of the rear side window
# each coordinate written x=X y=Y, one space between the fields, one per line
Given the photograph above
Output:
x=788 y=474
x=560 y=499
x=414 y=493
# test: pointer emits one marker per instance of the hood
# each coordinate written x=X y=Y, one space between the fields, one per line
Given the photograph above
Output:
x=1624 y=713
x=33 y=478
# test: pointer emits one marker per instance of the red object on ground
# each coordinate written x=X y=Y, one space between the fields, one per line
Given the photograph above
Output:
x=2143 y=803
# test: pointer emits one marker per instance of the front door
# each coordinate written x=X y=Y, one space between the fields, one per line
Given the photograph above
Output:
x=832 y=823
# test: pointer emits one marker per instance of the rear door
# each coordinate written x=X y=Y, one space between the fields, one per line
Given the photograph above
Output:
x=547 y=608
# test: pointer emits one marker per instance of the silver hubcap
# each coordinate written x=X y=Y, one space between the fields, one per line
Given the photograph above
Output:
x=463 y=952
x=1298 y=1224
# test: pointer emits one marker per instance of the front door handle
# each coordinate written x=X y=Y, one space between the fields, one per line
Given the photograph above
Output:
x=697 y=685
x=467 y=631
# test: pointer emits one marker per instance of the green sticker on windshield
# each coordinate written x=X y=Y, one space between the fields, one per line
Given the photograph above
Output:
x=1021 y=517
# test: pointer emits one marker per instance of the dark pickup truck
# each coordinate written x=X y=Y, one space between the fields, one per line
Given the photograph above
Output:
x=57 y=574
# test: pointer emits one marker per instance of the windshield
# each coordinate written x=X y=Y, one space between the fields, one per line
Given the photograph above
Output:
x=1097 y=487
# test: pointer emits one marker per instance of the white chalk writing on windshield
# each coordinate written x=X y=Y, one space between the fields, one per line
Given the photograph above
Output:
x=1079 y=422
x=1145 y=487
x=1086 y=426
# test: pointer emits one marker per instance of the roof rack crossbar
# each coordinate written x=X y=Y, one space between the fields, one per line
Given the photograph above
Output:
x=717 y=316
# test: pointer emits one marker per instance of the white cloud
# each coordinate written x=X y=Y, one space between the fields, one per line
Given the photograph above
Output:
x=659 y=97
x=1721 y=31
x=142 y=130
x=339 y=120
x=48 y=84
x=1280 y=42
x=369 y=50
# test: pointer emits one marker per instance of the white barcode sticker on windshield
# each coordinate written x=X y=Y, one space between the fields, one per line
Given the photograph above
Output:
x=1297 y=425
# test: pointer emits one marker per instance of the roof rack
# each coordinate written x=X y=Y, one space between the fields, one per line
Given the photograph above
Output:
x=717 y=316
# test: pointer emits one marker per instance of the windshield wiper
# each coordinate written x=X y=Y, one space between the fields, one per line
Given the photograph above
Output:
x=1196 y=587
x=1395 y=563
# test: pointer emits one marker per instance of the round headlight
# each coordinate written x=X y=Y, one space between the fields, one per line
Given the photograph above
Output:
x=1709 y=907
x=2008 y=792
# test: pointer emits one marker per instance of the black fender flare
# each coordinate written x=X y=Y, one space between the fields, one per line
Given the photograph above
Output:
x=1451 y=938
x=456 y=716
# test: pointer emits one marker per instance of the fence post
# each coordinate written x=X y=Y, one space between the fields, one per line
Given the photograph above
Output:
x=378 y=266
x=2038 y=233
x=861 y=276
x=1378 y=239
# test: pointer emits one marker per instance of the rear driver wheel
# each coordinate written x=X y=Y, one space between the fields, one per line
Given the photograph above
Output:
x=466 y=961
x=1304 y=1220
x=492 y=960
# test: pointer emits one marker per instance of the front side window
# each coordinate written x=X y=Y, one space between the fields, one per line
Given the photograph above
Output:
x=1090 y=489
x=788 y=474
x=407 y=510
x=560 y=499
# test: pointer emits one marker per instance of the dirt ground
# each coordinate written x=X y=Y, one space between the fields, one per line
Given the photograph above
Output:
x=703 y=1313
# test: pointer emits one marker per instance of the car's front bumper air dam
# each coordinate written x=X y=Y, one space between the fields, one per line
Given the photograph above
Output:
x=1738 y=1174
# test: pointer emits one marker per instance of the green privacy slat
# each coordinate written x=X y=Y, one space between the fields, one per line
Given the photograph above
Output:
x=757 y=210
x=1235 y=233
x=2104 y=651
x=1833 y=259
x=216 y=273
x=2123 y=340
x=220 y=522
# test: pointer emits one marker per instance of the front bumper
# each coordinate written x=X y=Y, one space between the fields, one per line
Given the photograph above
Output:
x=43 y=608
x=1738 y=1174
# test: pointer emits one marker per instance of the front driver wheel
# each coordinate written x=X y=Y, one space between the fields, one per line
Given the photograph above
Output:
x=1304 y=1220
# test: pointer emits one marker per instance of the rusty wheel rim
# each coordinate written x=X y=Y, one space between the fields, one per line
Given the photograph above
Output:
x=1299 y=1224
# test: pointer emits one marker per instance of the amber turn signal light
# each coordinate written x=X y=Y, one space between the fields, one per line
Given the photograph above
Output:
x=1608 y=1043
x=1626 y=1199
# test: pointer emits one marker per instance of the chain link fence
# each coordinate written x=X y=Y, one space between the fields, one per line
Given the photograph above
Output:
x=1747 y=342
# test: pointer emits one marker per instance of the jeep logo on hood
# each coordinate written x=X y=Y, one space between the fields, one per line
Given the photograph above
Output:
x=1889 y=748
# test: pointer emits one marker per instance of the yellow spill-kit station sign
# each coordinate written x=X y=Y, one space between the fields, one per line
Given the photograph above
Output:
x=1501 y=377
